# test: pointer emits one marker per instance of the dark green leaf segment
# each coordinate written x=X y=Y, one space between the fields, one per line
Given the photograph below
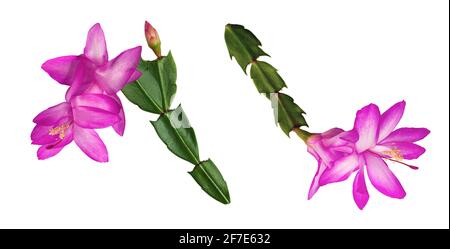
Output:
x=153 y=92
x=245 y=47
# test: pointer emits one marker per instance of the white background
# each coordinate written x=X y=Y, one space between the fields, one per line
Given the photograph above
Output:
x=335 y=56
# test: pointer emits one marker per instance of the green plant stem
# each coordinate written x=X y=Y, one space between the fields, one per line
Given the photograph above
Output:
x=304 y=135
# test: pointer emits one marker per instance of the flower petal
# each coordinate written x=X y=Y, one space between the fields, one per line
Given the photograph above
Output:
x=344 y=149
x=390 y=119
x=406 y=150
x=52 y=115
x=360 y=193
x=135 y=76
x=94 y=89
x=313 y=153
x=315 y=182
x=316 y=148
x=116 y=74
x=40 y=135
x=76 y=89
x=97 y=101
x=382 y=177
x=366 y=124
x=47 y=151
x=95 y=48
x=341 y=170
x=44 y=152
x=94 y=111
x=62 y=68
x=94 y=118
x=82 y=79
x=332 y=138
x=119 y=127
x=407 y=135
x=350 y=136
x=91 y=144
x=331 y=133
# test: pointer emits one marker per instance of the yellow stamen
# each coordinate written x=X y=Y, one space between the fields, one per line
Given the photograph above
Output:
x=59 y=130
x=394 y=154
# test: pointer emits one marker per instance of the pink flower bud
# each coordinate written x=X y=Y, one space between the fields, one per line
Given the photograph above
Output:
x=153 y=39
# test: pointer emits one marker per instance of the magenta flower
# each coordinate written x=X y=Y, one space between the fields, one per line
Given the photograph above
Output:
x=91 y=100
x=377 y=143
x=76 y=120
x=330 y=149
x=91 y=72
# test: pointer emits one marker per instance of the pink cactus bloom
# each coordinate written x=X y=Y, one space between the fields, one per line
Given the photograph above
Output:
x=76 y=120
x=377 y=142
x=91 y=72
x=330 y=149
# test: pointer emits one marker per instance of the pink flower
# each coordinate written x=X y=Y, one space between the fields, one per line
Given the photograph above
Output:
x=76 y=120
x=91 y=100
x=331 y=148
x=377 y=143
x=91 y=72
